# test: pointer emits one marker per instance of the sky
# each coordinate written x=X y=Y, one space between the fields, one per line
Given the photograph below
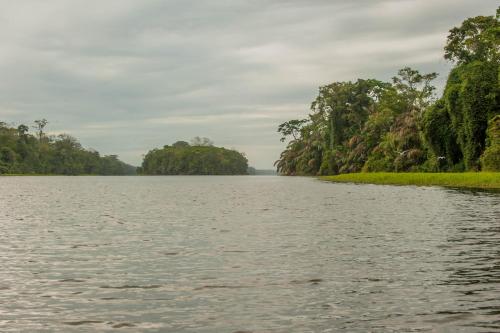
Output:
x=127 y=76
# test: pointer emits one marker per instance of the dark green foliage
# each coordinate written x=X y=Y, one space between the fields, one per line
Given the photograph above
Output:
x=479 y=97
x=369 y=125
x=346 y=106
x=441 y=136
x=180 y=144
x=364 y=125
x=472 y=97
x=23 y=153
x=477 y=39
x=181 y=159
x=291 y=127
x=490 y=160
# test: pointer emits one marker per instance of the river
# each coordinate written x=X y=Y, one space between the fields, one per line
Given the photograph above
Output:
x=245 y=254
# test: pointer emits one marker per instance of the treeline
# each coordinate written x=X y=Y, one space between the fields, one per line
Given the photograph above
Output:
x=370 y=125
x=24 y=153
x=260 y=172
x=198 y=158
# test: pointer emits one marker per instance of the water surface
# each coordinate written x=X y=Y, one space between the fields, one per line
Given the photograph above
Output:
x=245 y=254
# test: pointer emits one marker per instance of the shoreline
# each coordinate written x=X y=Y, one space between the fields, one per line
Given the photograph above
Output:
x=131 y=175
x=465 y=180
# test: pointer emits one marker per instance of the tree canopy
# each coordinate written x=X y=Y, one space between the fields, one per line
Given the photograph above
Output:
x=199 y=158
x=24 y=153
x=478 y=38
x=369 y=125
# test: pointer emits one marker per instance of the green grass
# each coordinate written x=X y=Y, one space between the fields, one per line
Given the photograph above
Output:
x=479 y=180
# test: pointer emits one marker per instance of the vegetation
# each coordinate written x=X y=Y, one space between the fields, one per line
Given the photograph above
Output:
x=24 y=153
x=198 y=158
x=400 y=126
x=484 y=180
x=261 y=172
x=491 y=156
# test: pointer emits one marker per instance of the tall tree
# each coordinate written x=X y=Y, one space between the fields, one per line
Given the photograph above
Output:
x=478 y=38
x=291 y=127
x=39 y=127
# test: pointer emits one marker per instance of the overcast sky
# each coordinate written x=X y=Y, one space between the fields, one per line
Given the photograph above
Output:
x=126 y=76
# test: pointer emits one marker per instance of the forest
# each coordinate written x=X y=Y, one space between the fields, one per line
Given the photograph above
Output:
x=200 y=157
x=24 y=153
x=402 y=126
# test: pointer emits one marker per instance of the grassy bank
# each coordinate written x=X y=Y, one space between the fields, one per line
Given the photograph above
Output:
x=484 y=180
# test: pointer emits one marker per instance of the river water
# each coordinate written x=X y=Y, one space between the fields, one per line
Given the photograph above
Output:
x=245 y=254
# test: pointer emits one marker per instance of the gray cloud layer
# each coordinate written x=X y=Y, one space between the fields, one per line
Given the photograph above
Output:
x=125 y=76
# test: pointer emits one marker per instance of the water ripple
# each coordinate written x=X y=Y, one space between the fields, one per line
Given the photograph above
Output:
x=245 y=254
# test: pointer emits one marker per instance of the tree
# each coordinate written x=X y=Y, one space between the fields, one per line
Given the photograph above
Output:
x=22 y=130
x=456 y=126
x=291 y=127
x=201 y=142
x=490 y=160
x=414 y=88
x=346 y=106
x=194 y=160
x=21 y=152
x=478 y=38
x=441 y=137
x=39 y=126
x=366 y=124
x=7 y=155
x=180 y=144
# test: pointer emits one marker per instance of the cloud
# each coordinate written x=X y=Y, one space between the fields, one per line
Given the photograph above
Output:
x=126 y=76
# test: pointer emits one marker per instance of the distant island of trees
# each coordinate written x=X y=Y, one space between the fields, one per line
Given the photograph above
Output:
x=200 y=157
x=372 y=126
x=261 y=172
x=24 y=153
x=37 y=153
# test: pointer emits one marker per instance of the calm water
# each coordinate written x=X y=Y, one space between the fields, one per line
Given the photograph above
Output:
x=245 y=254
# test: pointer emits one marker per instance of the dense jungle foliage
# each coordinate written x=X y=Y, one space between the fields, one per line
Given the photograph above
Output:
x=397 y=126
x=24 y=153
x=198 y=158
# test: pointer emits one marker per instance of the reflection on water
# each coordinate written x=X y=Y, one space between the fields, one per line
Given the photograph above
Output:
x=245 y=254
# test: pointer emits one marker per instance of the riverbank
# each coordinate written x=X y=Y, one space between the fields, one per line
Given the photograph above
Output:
x=26 y=175
x=480 y=180
x=56 y=175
